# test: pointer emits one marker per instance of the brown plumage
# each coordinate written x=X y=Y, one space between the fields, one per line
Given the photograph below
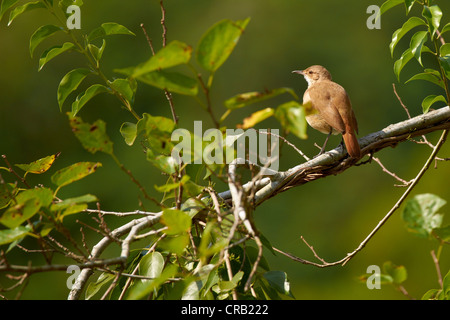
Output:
x=328 y=108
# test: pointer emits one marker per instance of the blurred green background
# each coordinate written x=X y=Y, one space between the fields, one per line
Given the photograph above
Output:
x=333 y=214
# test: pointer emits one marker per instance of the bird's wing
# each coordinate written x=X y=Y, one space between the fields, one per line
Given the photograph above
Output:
x=325 y=95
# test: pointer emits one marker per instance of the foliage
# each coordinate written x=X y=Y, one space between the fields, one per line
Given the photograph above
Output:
x=197 y=246
x=187 y=255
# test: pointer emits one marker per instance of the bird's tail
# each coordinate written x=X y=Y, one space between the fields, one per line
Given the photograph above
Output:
x=351 y=143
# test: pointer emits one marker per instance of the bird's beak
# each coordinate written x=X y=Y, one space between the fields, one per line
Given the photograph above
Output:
x=298 y=72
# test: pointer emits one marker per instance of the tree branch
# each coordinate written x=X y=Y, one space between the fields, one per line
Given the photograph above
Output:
x=330 y=163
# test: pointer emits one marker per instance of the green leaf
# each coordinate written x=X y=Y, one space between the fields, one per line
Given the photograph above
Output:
x=176 y=221
x=94 y=287
x=245 y=99
x=446 y=285
x=158 y=132
x=257 y=117
x=175 y=244
x=433 y=14
x=400 y=63
x=70 y=83
x=442 y=233
x=446 y=28
x=218 y=43
x=10 y=235
x=67 y=203
x=38 y=166
x=166 y=164
x=53 y=52
x=93 y=137
x=409 y=4
x=128 y=131
x=430 y=100
x=389 y=4
x=445 y=64
x=173 y=54
x=7 y=193
x=5 y=6
x=126 y=88
x=87 y=95
x=431 y=294
x=97 y=52
x=444 y=50
x=291 y=115
x=74 y=173
x=416 y=45
x=27 y=204
x=428 y=76
x=143 y=288
x=171 y=81
x=41 y=34
x=24 y=8
x=107 y=29
x=151 y=265
x=279 y=281
x=399 y=33
x=398 y=273
x=420 y=214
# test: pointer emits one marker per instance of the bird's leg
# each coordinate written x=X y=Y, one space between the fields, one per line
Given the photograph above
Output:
x=325 y=144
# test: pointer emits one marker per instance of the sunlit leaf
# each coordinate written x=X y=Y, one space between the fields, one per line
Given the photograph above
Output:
x=399 y=33
x=10 y=235
x=74 y=173
x=446 y=28
x=126 y=88
x=166 y=164
x=409 y=4
x=24 y=8
x=445 y=64
x=389 y=4
x=38 y=166
x=7 y=192
x=279 y=281
x=173 y=54
x=430 y=100
x=171 y=81
x=416 y=45
x=66 y=203
x=427 y=76
x=53 y=52
x=70 y=83
x=398 y=273
x=433 y=14
x=291 y=115
x=443 y=233
x=176 y=221
x=27 y=204
x=41 y=34
x=93 y=287
x=421 y=214
x=97 y=52
x=218 y=43
x=157 y=131
x=93 y=137
x=107 y=29
x=128 y=131
x=5 y=6
x=87 y=95
x=257 y=117
x=245 y=99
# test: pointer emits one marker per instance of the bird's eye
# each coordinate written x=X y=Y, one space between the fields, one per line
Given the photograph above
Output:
x=310 y=72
